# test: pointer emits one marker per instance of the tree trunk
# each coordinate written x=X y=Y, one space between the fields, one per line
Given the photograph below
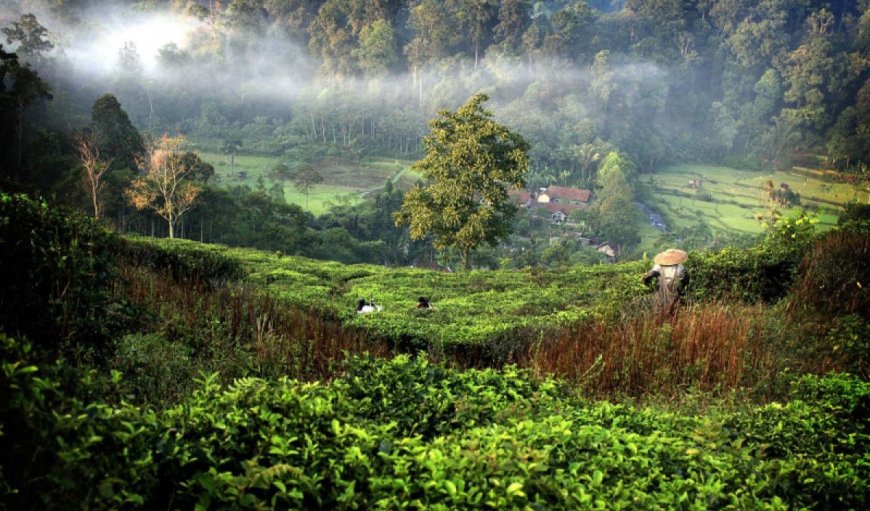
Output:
x=20 y=136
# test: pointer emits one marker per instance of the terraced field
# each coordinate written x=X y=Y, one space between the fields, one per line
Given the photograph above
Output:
x=729 y=198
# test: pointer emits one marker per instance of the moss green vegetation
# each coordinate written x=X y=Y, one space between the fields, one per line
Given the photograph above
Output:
x=491 y=308
x=343 y=179
x=728 y=198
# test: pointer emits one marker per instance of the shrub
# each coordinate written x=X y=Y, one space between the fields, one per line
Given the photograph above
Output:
x=835 y=274
x=184 y=260
x=762 y=273
x=154 y=369
x=473 y=439
x=58 y=269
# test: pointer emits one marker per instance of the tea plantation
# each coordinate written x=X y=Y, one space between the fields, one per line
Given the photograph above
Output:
x=470 y=307
x=404 y=434
x=145 y=374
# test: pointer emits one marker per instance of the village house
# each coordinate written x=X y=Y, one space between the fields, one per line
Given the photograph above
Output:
x=565 y=196
x=558 y=217
x=608 y=249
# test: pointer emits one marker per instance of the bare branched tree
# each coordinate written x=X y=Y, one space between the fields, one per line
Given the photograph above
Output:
x=166 y=187
x=95 y=169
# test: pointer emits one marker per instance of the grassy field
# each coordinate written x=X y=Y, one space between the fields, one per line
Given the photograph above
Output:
x=343 y=180
x=730 y=198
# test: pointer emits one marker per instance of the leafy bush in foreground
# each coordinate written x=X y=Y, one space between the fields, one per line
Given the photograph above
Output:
x=57 y=275
x=442 y=440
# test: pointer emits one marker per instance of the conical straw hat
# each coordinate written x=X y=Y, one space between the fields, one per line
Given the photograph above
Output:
x=670 y=257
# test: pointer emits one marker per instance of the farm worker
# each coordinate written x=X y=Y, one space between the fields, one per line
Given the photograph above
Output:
x=672 y=279
x=423 y=303
x=363 y=307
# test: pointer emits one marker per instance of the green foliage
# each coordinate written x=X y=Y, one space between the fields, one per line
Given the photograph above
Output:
x=615 y=211
x=58 y=269
x=116 y=136
x=60 y=449
x=764 y=272
x=855 y=217
x=406 y=434
x=496 y=311
x=470 y=164
x=154 y=369
x=182 y=259
x=848 y=342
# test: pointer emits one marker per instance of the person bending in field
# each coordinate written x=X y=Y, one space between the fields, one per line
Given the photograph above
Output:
x=423 y=303
x=672 y=280
x=364 y=307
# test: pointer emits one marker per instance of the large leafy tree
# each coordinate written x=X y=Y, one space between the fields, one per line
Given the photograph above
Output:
x=116 y=137
x=615 y=213
x=20 y=88
x=470 y=163
x=30 y=37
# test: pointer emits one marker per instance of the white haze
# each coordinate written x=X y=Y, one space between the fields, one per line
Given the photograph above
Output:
x=274 y=68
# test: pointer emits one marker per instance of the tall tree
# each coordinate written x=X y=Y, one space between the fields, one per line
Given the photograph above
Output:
x=475 y=16
x=20 y=88
x=513 y=20
x=30 y=37
x=95 y=167
x=615 y=212
x=230 y=147
x=166 y=187
x=305 y=179
x=116 y=137
x=377 y=52
x=470 y=163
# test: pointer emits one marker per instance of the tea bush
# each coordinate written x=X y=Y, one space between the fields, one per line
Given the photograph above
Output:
x=443 y=439
x=496 y=311
x=762 y=273
x=182 y=259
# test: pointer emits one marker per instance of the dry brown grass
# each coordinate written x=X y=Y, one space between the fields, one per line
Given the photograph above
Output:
x=277 y=339
x=706 y=346
x=709 y=346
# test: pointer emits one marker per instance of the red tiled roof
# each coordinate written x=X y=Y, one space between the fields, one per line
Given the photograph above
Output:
x=564 y=208
x=521 y=197
x=563 y=192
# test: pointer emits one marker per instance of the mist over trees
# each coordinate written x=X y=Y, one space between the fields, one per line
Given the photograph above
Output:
x=750 y=84
x=665 y=80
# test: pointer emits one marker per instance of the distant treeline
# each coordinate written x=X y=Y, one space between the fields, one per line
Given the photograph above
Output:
x=738 y=81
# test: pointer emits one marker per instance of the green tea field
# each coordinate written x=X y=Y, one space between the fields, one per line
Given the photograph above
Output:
x=343 y=180
x=728 y=199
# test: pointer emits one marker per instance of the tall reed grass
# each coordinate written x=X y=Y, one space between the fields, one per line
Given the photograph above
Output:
x=268 y=337
x=705 y=346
